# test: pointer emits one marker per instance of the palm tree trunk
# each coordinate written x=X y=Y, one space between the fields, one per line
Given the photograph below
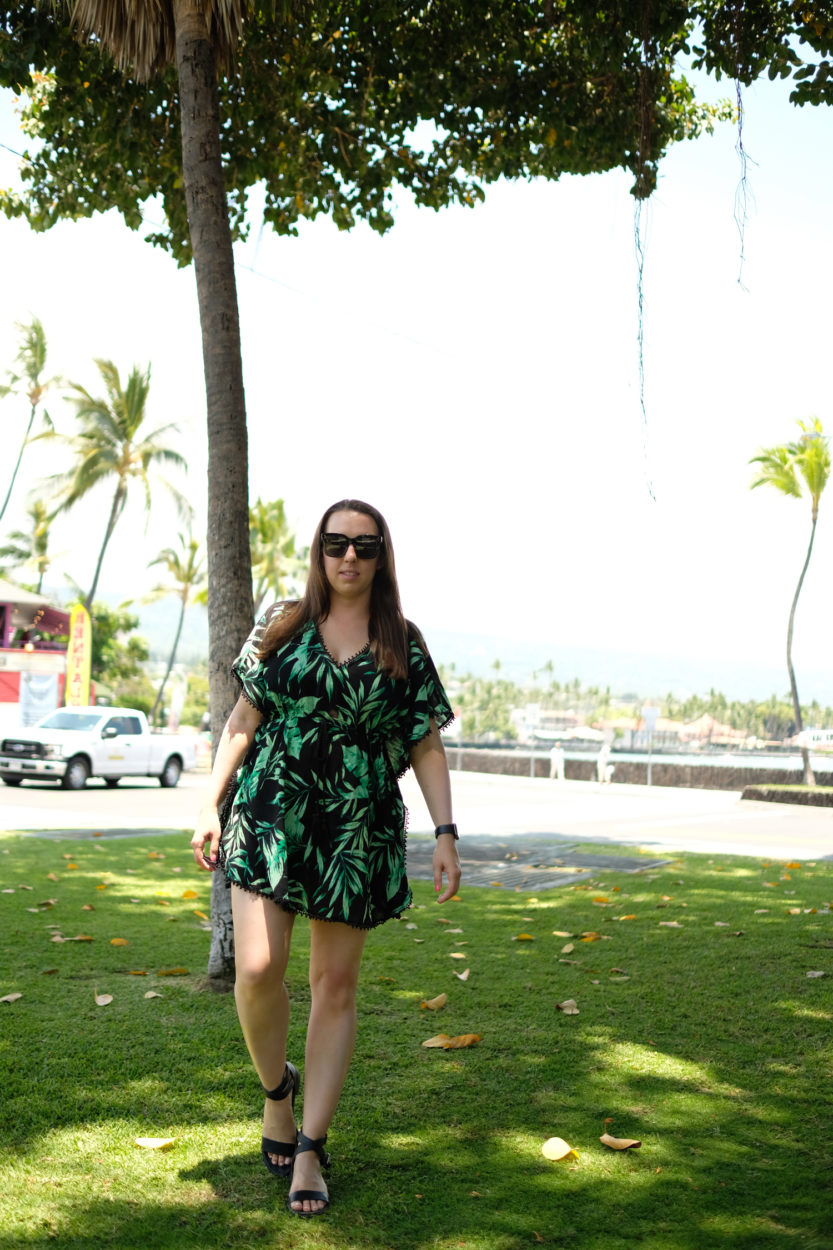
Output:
x=19 y=458
x=230 y=612
x=115 y=512
x=809 y=778
x=158 y=700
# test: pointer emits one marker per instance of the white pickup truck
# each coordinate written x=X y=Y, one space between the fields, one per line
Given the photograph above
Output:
x=75 y=743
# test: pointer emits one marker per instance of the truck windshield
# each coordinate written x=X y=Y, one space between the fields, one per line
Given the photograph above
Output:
x=63 y=719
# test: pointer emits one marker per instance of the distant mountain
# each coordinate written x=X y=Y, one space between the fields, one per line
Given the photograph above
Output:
x=624 y=671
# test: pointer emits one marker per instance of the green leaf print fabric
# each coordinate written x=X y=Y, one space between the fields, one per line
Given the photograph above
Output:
x=318 y=822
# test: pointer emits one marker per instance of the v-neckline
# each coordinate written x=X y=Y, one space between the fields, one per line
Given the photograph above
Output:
x=329 y=654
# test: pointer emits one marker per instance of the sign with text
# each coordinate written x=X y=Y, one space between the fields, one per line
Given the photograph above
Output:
x=79 y=655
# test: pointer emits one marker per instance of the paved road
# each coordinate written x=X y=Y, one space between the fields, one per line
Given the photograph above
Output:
x=659 y=818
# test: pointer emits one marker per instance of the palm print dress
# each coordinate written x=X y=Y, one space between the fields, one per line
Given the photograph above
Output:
x=318 y=823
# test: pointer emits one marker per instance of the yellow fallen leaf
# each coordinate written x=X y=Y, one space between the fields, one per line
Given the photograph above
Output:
x=102 y=885
x=455 y=898
x=462 y=1041
x=152 y=993
x=87 y=907
x=119 y=942
x=498 y=883
x=102 y=1000
x=463 y=976
x=434 y=1004
x=10 y=998
x=569 y=1007
x=793 y=864
x=561 y=933
x=619 y=1143
x=52 y=876
x=172 y=972
x=72 y=866
x=630 y=916
x=793 y=911
x=566 y=950
x=670 y=924
x=163 y=902
x=456 y=955
x=190 y=894
x=441 y=920
x=81 y=937
x=524 y=937
x=438 y=1042
x=155 y=1143
x=201 y=914
x=137 y=972
x=591 y=937
x=600 y=898
x=556 y=1148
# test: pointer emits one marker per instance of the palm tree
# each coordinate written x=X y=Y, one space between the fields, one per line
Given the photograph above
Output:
x=29 y=381
x=31 y=548
x=110 y=447
x=198 y=36
x=187 y=571
x=276 y=564
x=793 y=468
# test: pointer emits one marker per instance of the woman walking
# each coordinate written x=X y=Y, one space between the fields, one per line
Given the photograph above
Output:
x=339 y=697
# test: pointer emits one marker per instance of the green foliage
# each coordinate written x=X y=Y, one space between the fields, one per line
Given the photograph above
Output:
x=278 y=566
x=117 y=651
x=30 y=548
x=196 y=700
x=327 y=104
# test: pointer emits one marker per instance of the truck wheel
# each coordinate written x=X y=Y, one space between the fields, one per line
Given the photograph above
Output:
x=75 y=777
x=12 y=781
x=170 y=773
x=112 y=782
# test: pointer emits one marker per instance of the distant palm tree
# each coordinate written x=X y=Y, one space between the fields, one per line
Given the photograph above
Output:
x=791 y=468
x=30 y=548
x=28 y=381
x=276 y=563
x=187 y=571
x=110 y=446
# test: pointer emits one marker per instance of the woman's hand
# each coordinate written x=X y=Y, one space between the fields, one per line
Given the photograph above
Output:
x=207 y=830
x=446 y=860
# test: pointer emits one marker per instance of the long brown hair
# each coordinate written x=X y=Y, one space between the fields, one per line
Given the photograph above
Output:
x=387 y=630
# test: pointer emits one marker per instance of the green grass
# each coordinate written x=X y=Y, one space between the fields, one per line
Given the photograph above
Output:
x=715 y=1052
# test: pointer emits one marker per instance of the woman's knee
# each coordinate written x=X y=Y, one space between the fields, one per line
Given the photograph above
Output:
x=254 y=977
x=334 y=987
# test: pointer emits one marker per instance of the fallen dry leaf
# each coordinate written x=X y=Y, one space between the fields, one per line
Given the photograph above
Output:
x=561 y=933
x=569 y=1007
x=793 y=911
x=172 y=972
x=119 y=942
x=600 y=898
x=420 y=941
x=101 y=1000
x=793 y=864
x=102 y=885
x=760 y=911
x=48 y=972
x=462 y=976
x=619 y=1143
x=566 y=950
x=201 y=914
x=152 y=993
x=190 y=894
x=524 y=937
x=556 y=1148
x=453 y=930
x=10 y=998
x=25 y=887
x=137 y=972
x=815 y=974
x=498 y=883
x=412 y=926
x=434 y=1004
x=630 y=916
x=670 y=924
x=155 y=1143
x=441 y=920
x=438 y=1042
x=87 y=907
x=456 y=955
x=52 y=876
x=463 y=1041
x=591 y=936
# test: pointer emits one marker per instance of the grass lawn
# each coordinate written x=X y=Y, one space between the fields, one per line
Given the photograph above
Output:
x=699 y=1033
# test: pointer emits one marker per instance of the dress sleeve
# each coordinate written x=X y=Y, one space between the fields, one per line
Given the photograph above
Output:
x=427 y=700
x=247 y=668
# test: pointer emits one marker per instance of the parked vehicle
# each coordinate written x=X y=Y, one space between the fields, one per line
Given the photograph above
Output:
x=73 y=744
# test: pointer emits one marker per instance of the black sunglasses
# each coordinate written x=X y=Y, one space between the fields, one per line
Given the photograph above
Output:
x=366 y=546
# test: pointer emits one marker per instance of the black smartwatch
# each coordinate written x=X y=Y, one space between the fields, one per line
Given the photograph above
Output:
x=452 y=829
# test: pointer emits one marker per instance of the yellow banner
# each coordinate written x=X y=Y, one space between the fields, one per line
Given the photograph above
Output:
x=79 y=654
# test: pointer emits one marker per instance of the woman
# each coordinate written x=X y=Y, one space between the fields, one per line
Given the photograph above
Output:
x=338 y=698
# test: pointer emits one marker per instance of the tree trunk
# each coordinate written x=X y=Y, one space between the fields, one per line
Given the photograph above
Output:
x=115 y=512
x=19 y=458
x=161 y=689
x=230 y=614
x=809 y=778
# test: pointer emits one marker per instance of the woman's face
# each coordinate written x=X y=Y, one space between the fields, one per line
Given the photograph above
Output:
x=347 y=575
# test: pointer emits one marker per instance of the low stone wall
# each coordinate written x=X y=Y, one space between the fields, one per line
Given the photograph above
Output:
x=807 y=798
x=703 y=776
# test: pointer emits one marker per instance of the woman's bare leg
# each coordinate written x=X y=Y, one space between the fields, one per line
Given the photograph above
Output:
x=262 y=933
x=335 y=959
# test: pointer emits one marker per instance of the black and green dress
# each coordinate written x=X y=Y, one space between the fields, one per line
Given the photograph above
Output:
x=318 y=822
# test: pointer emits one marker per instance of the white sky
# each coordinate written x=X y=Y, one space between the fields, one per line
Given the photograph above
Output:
x=474 y=374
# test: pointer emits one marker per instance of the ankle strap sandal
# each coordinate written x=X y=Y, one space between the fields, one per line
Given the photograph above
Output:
x=308 y=1195
x=287 y=1088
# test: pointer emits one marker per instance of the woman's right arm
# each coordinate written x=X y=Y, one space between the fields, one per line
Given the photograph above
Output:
x=235 y=741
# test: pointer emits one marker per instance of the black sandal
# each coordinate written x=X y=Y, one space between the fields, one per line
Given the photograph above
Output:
x=310 y=1195
x=288 y=1086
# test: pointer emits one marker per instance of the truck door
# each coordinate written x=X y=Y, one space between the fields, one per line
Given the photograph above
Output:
x=123 y=753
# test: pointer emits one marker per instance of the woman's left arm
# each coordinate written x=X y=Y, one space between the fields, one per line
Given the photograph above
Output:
x=431 y=770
